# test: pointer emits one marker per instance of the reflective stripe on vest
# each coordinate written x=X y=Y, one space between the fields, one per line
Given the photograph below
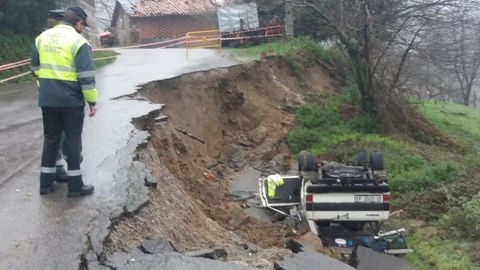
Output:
x=57 y=48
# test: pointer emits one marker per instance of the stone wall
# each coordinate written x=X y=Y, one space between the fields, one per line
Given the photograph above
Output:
x=171 y=27
x=125 y=29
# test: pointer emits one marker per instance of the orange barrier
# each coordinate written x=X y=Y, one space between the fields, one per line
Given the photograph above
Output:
x=204 y=39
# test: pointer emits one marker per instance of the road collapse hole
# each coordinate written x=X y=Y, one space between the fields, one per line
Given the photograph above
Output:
x=216 y=124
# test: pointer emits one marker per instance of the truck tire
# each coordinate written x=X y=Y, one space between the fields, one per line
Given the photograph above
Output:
x=307 y=162
x=376 y=161
x=362 y=158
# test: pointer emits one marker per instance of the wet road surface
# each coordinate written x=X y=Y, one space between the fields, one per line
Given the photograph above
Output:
x=53 y=231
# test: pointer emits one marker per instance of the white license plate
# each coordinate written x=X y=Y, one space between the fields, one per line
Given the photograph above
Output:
x=368 y=199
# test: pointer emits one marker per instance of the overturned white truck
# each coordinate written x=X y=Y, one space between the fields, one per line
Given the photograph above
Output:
x=332 y=194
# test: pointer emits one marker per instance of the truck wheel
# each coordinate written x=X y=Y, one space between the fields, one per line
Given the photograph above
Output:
x=362 y=158
x=376 y=161
x=307 y=162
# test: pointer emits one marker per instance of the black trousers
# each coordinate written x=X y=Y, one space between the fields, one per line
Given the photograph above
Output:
x=56 y=120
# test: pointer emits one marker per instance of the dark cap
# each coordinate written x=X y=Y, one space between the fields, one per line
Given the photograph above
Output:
x=79 y=12
x=57 y=14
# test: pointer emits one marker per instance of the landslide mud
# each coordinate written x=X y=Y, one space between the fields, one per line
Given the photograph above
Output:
x=220 y=122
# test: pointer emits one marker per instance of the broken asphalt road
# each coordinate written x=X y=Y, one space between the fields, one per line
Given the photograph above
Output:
x=54 y=232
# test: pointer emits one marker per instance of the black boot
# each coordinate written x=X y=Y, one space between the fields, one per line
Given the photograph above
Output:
x=84 y=190
x=47 y=186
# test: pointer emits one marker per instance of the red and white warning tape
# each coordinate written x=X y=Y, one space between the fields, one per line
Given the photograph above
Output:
x=253 y=30
x=15 y=77
x=145 y=45
x=14 y=65
x=201 y=39
x=252 y=37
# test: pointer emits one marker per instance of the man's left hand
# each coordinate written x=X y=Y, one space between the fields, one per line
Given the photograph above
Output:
x=93 y=111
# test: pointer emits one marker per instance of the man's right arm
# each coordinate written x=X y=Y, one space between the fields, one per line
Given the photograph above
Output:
x=86 y=76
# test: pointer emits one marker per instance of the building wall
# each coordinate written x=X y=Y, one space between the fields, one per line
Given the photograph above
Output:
x=123 y=28
x=171 y=27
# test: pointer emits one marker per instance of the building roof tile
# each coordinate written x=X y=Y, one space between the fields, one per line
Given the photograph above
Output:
x=128 y=5
x=149 y=8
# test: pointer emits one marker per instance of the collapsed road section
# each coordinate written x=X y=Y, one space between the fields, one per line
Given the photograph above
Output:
x=220 y=129
x=215 y=124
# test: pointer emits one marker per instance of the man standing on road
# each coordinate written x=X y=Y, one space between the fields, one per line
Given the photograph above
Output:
x=55 y=17
x=63 y=64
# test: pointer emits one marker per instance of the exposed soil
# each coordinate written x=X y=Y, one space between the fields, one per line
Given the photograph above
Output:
x=247 y=108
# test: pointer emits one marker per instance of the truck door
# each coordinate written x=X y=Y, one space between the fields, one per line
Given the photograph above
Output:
x=287 y=196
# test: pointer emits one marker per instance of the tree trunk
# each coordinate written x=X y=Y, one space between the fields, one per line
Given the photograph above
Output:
x=365 y=88
x=466 y=94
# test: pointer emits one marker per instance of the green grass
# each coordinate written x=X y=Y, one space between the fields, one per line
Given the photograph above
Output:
x=434 y=252
x=323 y=131
x=300 y=52
x=103 y=54
x=457 y=120
x=277 y=48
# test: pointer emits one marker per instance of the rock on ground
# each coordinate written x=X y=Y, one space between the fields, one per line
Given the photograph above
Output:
x=310 y=259
x=137 y=260
x=369 y=259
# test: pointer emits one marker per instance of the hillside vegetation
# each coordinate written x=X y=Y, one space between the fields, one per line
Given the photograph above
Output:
x=435 y=187
x=13 y=48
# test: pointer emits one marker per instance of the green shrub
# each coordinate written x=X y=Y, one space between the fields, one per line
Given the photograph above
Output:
x=314 y=116
x=13 y=48
x=303 y=52
x=302 y=138
x=426 y=176
x=322 y=129
x=364 y=124
x=464 y=221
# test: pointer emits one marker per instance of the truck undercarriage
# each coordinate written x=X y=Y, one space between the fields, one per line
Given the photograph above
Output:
x=345 y=205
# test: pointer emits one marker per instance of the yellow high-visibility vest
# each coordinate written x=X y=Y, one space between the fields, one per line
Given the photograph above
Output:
x=57 y=48
x=273 y=181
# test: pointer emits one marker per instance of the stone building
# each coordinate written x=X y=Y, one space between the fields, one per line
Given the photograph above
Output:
x=145 y=21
